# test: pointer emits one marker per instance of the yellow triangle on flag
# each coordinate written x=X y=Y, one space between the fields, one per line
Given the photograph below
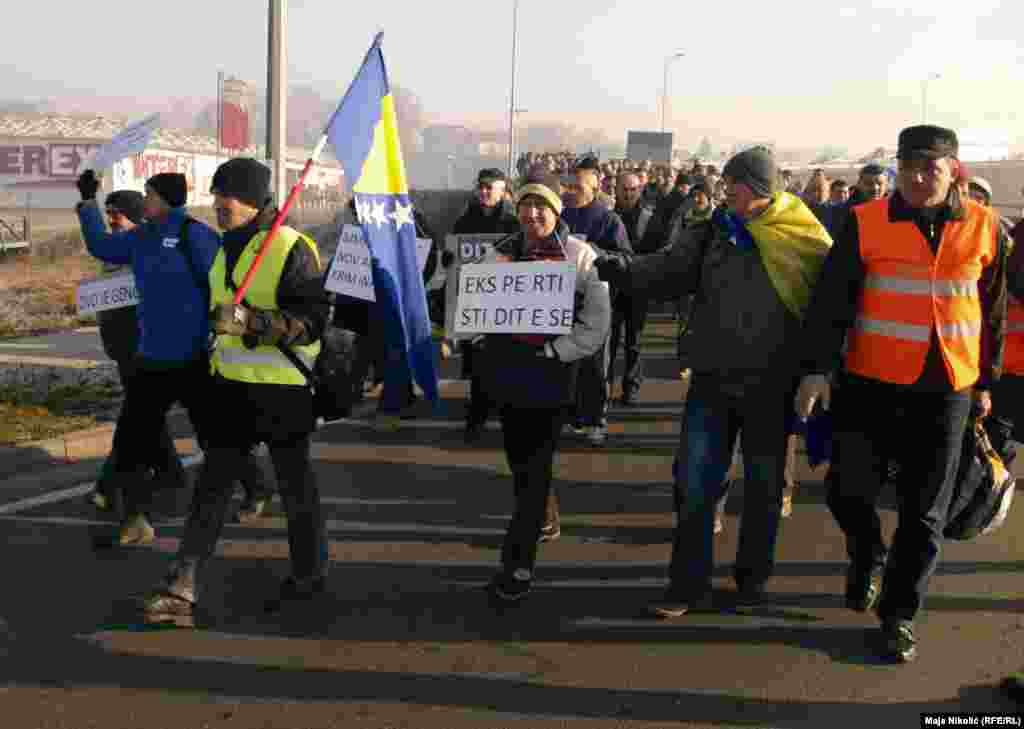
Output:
x=384 y=169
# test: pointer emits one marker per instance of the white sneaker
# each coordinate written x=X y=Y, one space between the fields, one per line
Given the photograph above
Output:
x=597 y=434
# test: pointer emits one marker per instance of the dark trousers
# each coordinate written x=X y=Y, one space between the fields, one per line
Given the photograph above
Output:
x=167 y=465
x=929 y=427
x=307 y=545
x=141 y=428
x=1006 y=421
x=592 y=389
x=629 y=314
x=531 y=438
x=480 y=406
x=389 y=367
x=714 y=414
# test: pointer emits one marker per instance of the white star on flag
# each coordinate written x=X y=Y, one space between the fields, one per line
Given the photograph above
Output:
x=380 y=214
x=363 y=212
x=402 y=215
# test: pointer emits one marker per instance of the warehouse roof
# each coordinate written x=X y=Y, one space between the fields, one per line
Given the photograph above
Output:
x=102 y=127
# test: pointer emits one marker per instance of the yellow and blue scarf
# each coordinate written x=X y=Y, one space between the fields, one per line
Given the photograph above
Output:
x=792 y=244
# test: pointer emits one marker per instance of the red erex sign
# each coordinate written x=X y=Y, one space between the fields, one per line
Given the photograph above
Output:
x=35 y=161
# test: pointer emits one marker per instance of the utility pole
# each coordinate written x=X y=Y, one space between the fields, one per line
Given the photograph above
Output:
x=512 y=95
x=277 y=97
x=664 y=89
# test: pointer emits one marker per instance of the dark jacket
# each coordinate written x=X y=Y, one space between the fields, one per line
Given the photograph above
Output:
x=636 y=220
x=659 y=231
x=478 y=219
x=836 y=298
x=119 y=332
x=600 y=226
x=740 y=328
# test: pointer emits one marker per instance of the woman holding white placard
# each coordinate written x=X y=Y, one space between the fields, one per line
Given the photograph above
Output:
x=531 y=377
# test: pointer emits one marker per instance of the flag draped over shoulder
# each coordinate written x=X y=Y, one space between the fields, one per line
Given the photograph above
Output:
x=793 y=247
x=364 y=135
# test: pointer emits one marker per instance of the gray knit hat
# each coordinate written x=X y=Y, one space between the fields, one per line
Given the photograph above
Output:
x=755 y=168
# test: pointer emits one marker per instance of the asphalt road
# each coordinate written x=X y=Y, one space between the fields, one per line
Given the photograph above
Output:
x=405 y=637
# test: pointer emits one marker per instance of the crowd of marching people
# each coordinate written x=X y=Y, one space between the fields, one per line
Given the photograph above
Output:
x=888 y=306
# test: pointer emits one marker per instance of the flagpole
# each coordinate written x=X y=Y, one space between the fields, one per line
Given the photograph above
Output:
x=283 y=212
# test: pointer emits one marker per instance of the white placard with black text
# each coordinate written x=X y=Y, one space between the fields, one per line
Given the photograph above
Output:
x=533 y=297
x=466 y=248
x=104 y=294
x=351 y=273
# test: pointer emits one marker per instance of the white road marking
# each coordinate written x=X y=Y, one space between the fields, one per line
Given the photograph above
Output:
x=55 y=497
x=270 y=525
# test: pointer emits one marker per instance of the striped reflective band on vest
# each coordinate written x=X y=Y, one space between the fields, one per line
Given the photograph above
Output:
x=243 y=357
x=893 y=285
x=913 y=333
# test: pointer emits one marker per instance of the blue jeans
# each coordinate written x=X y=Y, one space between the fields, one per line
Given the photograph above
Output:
x=758 y=410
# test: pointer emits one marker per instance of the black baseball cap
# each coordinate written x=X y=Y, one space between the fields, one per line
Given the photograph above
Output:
x=927 y=142
x=489 y=175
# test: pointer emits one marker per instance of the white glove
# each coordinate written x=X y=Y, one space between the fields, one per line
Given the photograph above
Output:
x=812 y=389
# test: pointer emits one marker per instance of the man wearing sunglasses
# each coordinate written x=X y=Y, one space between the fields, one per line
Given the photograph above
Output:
x=916 y=284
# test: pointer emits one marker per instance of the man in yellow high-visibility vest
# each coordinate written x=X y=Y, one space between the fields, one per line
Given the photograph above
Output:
x=260 y=396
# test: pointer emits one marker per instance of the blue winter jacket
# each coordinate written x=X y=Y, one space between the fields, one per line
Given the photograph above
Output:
x=173 y=300
x=600 y=226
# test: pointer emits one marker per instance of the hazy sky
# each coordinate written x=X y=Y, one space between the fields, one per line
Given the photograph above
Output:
x=799 y=72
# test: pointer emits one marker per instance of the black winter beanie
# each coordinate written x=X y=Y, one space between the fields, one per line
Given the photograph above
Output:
x=171 y=186
x=244 y=179
x=126 y=202
x=755 y=168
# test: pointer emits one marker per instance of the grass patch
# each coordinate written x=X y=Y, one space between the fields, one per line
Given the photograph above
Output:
x=38 y=291
x=26 y=416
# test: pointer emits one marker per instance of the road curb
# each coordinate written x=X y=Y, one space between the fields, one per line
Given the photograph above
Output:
x=71 y=447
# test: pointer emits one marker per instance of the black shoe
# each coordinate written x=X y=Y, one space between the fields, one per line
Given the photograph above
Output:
x=863 y=588
x=898 y=641
x=473 y=432
x=294 y=591
x=511 y=586
x=749 y=595
x=676 y=603
x=1013 y=686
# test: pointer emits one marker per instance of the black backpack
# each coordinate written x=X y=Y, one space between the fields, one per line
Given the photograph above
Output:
x=983 y=491
x=336 y=389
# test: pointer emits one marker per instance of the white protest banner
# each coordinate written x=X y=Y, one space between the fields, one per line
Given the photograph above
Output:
x=104 y=294
x=351 y=273
x=467 y=248
x=535 y=297
x=133 y=139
